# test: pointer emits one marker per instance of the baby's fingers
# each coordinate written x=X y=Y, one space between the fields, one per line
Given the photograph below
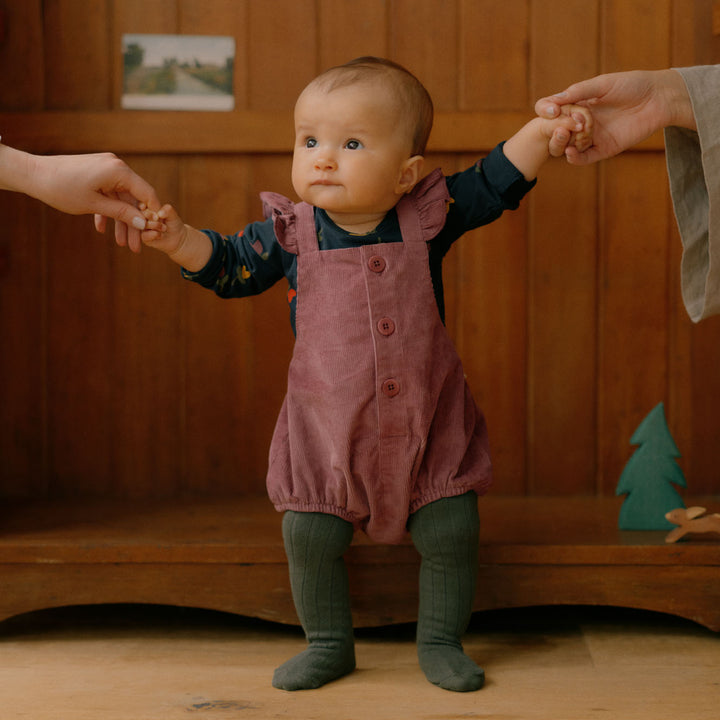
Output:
x=558 y=142
x=582 y=138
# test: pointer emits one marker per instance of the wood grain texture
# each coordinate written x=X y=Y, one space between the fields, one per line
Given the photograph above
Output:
x=123 y=381
x=229 y=556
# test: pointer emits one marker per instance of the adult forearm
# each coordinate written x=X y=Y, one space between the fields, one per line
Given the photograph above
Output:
x=16 y=170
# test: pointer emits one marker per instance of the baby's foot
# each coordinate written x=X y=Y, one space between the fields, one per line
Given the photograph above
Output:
x=450 y=668
x=314 y=667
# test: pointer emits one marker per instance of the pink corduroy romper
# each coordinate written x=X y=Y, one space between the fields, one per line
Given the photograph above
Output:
x=378 y=419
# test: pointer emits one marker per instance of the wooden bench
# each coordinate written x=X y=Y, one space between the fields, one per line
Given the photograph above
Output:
x=227 y=555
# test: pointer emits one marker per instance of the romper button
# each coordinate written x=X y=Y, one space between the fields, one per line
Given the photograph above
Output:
x=386 y=326
x=376 y=263
x=391 y=387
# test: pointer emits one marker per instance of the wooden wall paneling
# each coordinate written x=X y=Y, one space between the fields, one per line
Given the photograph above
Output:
x=221 y=17
x=562 y=52
x=563 y=295
x=424 y=37
x=21 y=56
x=282 y=42
x=80 y=345
x=349 y=30
x=220 y=348
x=78 y=55
x=562 y=344
x=636 y=34
x=149 y=369
x=23 y=442
x=492 y=337
x=704 y=18
x=633 y=372
x=703 y=473
x=494 y=54
x=683 y=42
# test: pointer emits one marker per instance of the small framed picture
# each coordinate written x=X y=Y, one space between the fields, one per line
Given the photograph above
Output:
x=178 y=72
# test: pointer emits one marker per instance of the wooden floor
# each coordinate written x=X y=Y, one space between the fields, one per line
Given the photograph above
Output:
x=163 y=663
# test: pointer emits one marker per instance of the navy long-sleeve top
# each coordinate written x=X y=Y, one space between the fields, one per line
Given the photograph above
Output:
x=251 y=261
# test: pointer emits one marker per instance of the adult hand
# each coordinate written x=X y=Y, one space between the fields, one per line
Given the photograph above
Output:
x=99 y=184
x=627 y=107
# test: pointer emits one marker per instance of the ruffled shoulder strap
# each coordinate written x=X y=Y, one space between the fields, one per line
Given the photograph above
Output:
x=423 y=210
x=293 y=223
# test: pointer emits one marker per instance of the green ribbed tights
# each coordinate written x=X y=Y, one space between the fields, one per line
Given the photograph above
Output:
x=446 y=534
x=315 y=544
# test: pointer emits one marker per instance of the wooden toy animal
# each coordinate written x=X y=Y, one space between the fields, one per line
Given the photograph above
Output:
x=691 y=520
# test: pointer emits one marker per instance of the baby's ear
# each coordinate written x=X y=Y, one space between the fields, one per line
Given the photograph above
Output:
x=410 y=173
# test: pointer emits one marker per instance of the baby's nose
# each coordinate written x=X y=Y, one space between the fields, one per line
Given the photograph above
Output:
x=325 y=162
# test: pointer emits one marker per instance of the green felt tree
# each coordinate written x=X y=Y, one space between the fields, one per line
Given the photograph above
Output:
x=649 y=475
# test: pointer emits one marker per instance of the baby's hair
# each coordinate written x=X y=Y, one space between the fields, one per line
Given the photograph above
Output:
x=413 y=99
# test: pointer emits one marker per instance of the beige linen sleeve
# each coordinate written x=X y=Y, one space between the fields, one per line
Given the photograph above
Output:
x=693 y=161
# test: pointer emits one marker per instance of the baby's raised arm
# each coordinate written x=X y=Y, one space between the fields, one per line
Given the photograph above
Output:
x=183 y=244
x=542 y=138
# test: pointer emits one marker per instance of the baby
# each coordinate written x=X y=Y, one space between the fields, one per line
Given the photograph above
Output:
x=378 y=430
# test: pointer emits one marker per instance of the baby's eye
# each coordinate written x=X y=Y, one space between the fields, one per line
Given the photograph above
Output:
x=353 y=144
x=310 y=142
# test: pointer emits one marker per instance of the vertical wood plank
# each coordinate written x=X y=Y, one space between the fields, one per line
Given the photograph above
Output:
x=636 y=34
x=703 y=475
x=350 y=29
x=21 y=56
x=493 y=54
x=492 y=337
x=149 y=369
x=23 y=353
x=634 y=304
x=23 y=357
x=562 y=345
x=562 y=52
x=703 y=16
x=562 y=359
x=424 y=38
x=80 y=340
x=220 y=427
x=78 y=51
x=280 y=69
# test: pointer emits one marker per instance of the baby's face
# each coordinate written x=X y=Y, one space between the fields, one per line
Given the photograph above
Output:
x=350 y=149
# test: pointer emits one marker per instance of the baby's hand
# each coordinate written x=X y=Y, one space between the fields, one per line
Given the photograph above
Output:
x=581 y=138
x=164 y=230
x=574 y=128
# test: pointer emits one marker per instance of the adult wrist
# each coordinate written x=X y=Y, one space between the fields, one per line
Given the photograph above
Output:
x=678 y=103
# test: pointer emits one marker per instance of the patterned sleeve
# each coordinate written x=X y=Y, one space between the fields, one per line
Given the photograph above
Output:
x=243 y=264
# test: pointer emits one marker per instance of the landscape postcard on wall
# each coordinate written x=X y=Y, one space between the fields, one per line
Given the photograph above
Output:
x=178 y=72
